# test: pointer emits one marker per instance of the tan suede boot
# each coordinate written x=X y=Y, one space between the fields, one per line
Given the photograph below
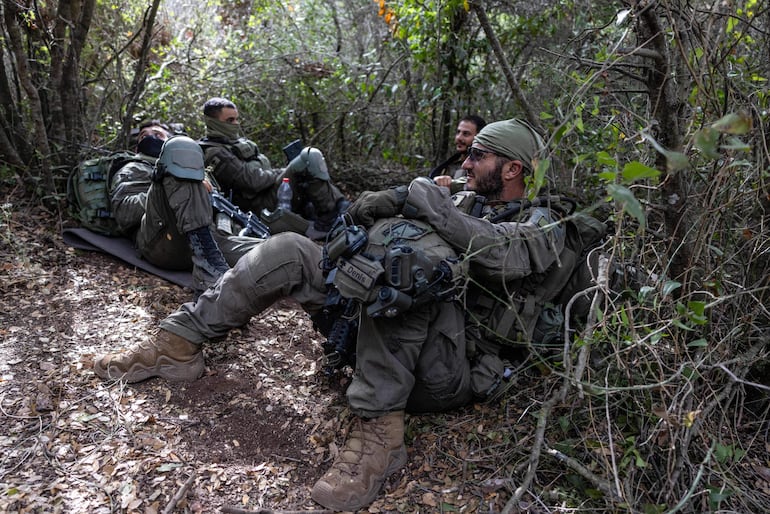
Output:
x=167 y=355
x=374 y=450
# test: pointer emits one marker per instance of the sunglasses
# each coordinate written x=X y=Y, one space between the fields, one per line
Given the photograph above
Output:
x=477 y=154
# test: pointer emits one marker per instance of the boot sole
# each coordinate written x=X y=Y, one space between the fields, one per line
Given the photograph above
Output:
x=167 y=368
x=323 y=495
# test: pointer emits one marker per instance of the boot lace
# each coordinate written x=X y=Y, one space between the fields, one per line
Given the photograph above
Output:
x=364 y=437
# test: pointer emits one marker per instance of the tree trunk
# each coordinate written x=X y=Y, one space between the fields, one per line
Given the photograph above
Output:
x=531 y=116
x=42 y=155
x=665 y=106
x=140 y=74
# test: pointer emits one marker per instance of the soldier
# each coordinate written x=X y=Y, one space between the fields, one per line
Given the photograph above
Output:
x=246 y=175
x=161 y=201
x=467 y=129
x=418 y=349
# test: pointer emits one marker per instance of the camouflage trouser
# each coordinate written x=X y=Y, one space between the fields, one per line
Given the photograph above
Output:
x=415 y=361
x=175 y=207
x=284 y=265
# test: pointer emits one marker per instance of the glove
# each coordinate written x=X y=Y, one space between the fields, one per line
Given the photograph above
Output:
x=372 y=206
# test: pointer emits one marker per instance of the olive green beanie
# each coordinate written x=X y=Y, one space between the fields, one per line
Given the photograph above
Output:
x=515 y=139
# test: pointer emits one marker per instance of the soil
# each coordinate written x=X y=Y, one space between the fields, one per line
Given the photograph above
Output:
x=264 y=422
x=255 y=432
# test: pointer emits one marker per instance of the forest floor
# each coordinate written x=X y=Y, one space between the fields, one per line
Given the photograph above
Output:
x=262 y=424
x=254 y=433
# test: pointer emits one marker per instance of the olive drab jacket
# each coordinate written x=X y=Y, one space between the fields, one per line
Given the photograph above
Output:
x=515 y=266
x=242 y=172
x=128 y=193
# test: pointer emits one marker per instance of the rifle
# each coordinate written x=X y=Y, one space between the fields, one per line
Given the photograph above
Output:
x=444 y=165
x=340 y=346
x=252 y=225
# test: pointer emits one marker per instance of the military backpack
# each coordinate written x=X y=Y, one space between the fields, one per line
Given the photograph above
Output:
x=88 y=191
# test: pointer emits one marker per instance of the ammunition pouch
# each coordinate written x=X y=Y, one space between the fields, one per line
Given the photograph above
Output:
x=245 y=149
x=357 y=277
x=404 y=264
x=506 y=322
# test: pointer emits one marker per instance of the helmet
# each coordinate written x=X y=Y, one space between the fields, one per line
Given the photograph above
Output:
x=181 y=157
x=311 y=161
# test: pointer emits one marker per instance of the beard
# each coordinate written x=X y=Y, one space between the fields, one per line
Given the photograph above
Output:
x=491 y=184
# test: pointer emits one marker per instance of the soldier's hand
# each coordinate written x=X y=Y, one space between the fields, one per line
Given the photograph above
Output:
x=443 y=180
x=372 y=206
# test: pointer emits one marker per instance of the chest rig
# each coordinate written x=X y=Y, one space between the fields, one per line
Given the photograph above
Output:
x=508 y=313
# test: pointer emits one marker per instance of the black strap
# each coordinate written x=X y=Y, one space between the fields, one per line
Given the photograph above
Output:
x=444 y=165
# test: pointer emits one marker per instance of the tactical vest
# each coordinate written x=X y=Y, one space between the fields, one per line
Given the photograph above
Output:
x=528 y=309
x=401 y=263
x=245 y=149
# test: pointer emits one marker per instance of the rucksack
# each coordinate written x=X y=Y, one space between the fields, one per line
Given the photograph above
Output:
x=554 y=288
x=88 y=191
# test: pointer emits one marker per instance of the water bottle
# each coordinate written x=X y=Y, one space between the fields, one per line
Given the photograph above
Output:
x=284 y=195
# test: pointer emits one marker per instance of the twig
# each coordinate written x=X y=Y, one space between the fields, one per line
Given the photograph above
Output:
x=688 y=497
x=740 y=380
x=602 y=485
x=534 y=456
x=179 y=494
x=229 y=509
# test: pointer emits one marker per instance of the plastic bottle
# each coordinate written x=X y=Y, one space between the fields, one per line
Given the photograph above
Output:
x=284 y=195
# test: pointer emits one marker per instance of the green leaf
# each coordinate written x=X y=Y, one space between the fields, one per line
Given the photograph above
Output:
x=635 y=170
x=733 y=143
x=678 y=323
x=676 y=161
x=705 y=140
x=671 y=286
x=628 y=202
x=698 y=343
x=608 y=176
x=733 y=124
x=605 y=159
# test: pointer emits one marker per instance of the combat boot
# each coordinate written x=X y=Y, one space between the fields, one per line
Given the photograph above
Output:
x=167 y=356
x=374 y=450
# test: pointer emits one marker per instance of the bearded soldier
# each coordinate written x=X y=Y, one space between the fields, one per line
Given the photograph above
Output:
x=441 y=293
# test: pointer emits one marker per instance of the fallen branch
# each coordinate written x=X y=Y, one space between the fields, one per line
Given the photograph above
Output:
x=227 y=509
x=179 y=494
x=602 y=485
x=534 y=457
